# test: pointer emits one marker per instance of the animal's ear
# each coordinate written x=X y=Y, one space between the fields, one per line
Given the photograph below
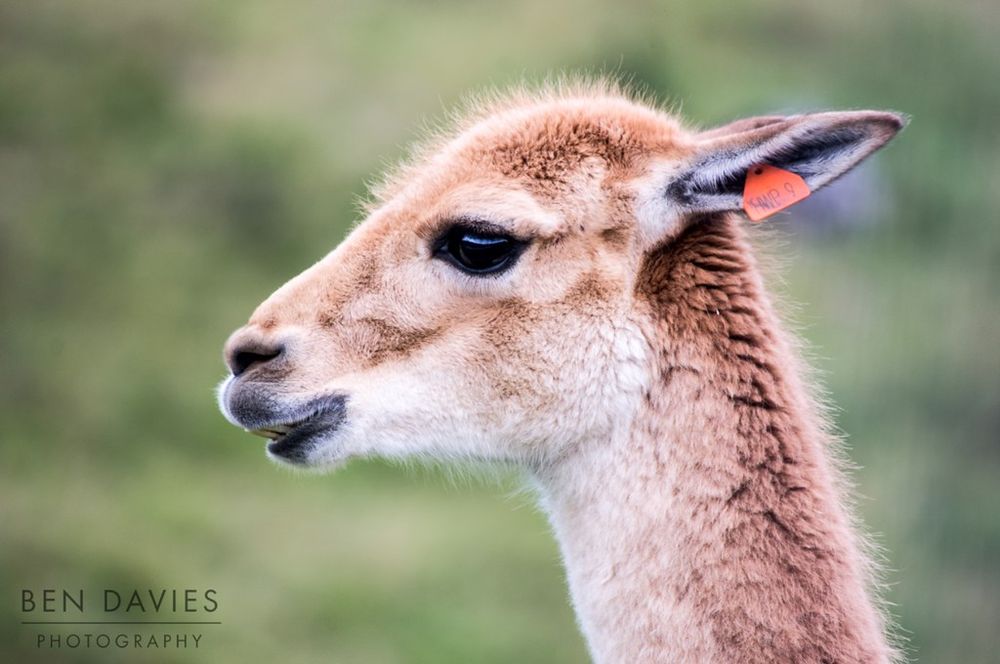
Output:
x=818 y=147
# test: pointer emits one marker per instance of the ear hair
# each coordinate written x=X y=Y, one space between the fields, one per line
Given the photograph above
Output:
x=818 y=147
x=740 y=126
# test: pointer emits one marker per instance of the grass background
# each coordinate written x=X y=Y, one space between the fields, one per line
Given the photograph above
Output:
x=165 y=165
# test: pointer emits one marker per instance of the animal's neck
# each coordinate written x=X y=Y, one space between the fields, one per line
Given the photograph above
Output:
x=709 y=529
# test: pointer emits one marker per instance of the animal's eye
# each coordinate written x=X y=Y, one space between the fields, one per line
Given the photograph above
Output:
x=478 y=251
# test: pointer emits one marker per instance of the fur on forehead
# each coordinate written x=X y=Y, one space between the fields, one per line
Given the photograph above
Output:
x=520 y=128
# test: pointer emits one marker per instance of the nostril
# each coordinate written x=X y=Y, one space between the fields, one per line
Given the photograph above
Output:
x=243 y=359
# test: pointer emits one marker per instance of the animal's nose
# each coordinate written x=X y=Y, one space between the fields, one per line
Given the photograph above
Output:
x=244 y=352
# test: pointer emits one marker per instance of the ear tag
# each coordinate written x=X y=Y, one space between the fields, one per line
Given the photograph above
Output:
x=770 y=189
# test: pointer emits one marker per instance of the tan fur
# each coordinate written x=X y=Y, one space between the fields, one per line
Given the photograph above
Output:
x=631 y=361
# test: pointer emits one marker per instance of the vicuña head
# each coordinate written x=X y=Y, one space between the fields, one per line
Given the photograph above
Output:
x=564 y=284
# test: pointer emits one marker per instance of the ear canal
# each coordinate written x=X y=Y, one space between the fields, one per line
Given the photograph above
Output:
x=818 y=148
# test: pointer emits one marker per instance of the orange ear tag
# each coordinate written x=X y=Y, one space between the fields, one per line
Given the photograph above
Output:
x=770 y=189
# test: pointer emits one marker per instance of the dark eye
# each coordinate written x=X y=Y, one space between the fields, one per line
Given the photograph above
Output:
x=479 y=251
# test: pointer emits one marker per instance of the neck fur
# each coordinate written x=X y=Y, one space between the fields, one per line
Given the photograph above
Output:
x=711 y=528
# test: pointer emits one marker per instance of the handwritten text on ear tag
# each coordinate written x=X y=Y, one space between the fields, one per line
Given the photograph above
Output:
x=770 y=189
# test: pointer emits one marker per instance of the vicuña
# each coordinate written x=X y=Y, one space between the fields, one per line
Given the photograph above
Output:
x=564 y=283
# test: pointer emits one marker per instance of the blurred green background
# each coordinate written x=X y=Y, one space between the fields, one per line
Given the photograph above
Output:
x=165 y=165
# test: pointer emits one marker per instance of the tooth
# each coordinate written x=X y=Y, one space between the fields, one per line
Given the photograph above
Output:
x=258 y=432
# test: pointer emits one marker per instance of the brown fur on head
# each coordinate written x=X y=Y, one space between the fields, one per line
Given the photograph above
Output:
x=387 y=347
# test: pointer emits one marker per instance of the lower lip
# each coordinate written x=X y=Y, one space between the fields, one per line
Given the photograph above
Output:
x=294 y=446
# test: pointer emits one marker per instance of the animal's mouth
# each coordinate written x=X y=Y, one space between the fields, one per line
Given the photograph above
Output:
x=275 y=432
x=290 y=440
